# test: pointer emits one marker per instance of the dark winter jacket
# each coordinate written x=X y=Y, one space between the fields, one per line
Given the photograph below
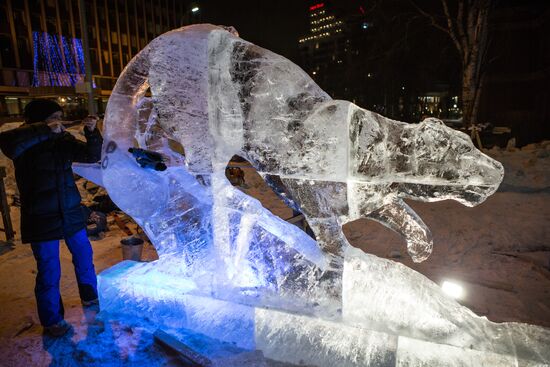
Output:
x=50 y=201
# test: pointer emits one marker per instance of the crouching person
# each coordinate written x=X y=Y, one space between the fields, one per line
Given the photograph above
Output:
x=42 y=153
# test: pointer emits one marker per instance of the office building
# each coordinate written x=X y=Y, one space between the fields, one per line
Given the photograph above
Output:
x=41 y=53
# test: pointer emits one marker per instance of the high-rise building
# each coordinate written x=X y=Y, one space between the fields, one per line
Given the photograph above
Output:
x=332 y=48
x=41 y=52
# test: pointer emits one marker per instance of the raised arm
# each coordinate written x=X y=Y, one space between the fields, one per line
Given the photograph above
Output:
x=89 y=152
x=17 y=141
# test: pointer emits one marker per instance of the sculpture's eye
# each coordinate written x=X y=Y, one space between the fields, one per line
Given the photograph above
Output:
x=462 y=147
x=450 y=175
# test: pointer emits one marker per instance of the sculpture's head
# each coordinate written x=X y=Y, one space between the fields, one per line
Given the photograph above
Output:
x=446 y=165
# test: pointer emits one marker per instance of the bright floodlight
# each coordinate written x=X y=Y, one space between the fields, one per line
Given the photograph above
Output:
x=452 y=289
x=195 y=9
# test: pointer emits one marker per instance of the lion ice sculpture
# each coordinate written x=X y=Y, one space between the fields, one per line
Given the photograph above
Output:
x=213 y=96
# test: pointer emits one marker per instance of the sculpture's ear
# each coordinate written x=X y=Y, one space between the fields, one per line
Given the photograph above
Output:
x=434 y=136
x=433 y=127
x=230 y=29
x=328 y=110
x=364 y=127
x=431 y=121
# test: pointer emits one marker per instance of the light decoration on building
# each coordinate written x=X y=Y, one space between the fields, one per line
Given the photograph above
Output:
x=326 y=26
x=317 y=36
x=58 y=61
x=317 y=13
x=330 y=17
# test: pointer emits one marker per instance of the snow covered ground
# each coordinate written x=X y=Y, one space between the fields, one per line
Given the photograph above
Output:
x=499 y=251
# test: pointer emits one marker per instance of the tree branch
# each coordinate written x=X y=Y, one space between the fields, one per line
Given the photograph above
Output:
x=434 y=21
x=471 y=21
x=460 y=26
x=451 y=30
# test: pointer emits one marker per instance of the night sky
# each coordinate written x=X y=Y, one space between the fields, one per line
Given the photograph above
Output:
x=273 y=24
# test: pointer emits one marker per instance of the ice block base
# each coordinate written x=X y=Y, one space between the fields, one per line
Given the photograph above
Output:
x=128 y=290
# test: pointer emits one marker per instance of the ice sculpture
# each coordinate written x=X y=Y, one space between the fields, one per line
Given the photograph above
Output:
x=214 y=95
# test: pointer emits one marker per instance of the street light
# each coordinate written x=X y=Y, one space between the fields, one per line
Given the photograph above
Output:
x=189 y=16
x=453 y=289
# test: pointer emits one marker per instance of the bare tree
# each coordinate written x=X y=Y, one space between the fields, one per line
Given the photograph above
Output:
x=467 y=26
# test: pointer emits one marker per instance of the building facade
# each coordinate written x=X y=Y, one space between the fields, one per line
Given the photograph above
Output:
x=41 y=53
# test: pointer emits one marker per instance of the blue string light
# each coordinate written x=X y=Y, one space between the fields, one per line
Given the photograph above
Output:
x=58 y=61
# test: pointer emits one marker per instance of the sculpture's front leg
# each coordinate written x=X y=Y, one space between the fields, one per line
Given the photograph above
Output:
x=399 y=217
x=323 y=203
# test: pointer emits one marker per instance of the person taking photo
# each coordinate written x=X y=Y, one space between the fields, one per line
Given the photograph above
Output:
x=42 y=153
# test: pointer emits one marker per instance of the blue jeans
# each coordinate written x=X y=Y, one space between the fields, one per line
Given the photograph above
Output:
x=48 y=296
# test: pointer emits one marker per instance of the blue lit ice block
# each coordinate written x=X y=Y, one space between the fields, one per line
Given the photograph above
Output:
x=142 y=290
x=366 y=334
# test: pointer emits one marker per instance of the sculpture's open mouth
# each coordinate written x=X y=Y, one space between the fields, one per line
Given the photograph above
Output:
x=475 y=195
x=489 y=174
x=478 y=177
x=468 y=195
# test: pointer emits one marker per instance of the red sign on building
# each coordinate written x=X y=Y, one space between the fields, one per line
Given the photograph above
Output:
x=316 y=6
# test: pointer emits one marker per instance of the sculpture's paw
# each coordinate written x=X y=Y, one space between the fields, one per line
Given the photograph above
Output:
x=419 y=250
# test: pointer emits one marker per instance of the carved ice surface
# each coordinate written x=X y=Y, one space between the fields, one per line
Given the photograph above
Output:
x=214 y=95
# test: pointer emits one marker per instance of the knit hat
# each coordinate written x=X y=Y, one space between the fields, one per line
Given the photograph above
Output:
x=40 y=109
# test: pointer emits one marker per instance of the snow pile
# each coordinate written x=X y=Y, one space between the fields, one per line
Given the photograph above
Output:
x=526 y=169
